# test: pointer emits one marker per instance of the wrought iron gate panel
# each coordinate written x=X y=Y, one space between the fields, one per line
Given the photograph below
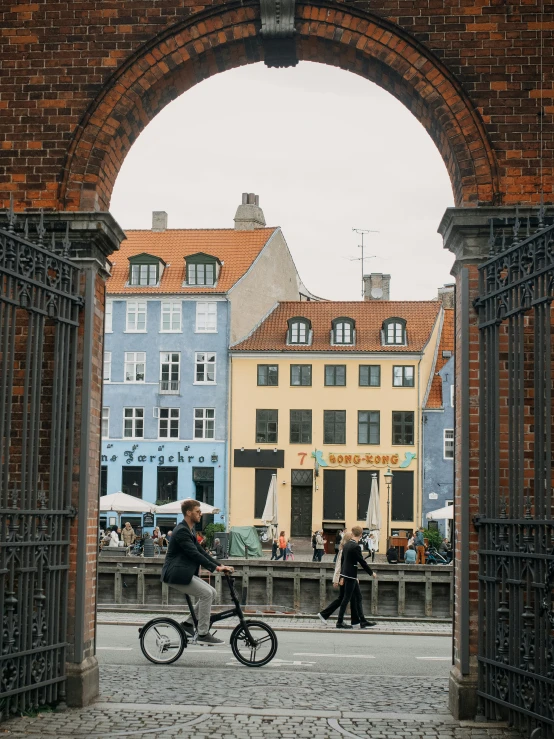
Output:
x=39 y=320
x=516 y=501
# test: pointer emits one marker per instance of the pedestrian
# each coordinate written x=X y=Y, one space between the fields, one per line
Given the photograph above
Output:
x=420 y=546
x=372 y=546
x=319 y=545
x=314 y=557
x=282 y=547
x=148 y=546
x=274 y=547
x=410 y=555
x=338 y=539
x=290 y=552
x=128 y=534
x=351 y=558
x=114 y=537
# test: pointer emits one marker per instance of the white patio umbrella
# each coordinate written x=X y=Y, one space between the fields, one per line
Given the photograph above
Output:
x=174 y=508
x=441 y=513
x=270 y=515
x=373 y=519
x=123 y=503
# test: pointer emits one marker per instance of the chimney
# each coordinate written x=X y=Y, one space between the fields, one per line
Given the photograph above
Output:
x=159 y=220
x=376 y=286
x=447 y=295
x=249 y=215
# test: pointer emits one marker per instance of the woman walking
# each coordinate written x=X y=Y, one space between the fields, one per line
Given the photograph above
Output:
x=282 y=546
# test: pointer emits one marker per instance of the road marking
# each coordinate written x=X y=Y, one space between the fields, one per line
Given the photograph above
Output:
x=437 y=659
x=282 y=663
x=116 y=649
x=341 y=656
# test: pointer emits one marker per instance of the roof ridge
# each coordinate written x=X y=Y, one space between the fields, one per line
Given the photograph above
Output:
x=233 y=230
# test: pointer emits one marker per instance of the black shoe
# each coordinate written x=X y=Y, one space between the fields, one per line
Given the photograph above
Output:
x=210 y=640
x=343 y=625
x=189 y=628
x=367 y=624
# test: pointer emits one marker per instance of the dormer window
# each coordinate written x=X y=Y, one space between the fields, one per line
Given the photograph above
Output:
x=299 y=331
x=342 y=331
x=394 y=332
x=202 y=269
x=145 y=270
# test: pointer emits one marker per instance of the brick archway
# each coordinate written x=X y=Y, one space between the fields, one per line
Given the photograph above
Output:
x=222 y=39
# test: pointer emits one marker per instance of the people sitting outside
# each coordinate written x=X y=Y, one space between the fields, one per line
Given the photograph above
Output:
x=392 y=556
x=446 y=550
x=128 y=534
x=148 y=546
x=410 y=556
x=113 y=537
x=218 y=550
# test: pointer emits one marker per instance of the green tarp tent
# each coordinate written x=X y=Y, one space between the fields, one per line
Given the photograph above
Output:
x=245 y=542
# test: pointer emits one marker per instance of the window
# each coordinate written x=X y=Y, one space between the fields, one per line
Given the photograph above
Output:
x=266 y=426
x=206 y=317
x=144 y=274
x=449 y=443
x=394 y=331
x=452 y=395
x=403 y=427
x=335 y=374
x=131 y=483
x=168 y=423
x=268 y=374
x=334 y=495
x=301 y=427
x=343 y=331
x=107 y=366
x=402 y=496
x=171 y=316
x=205 y=367
x=135 y=363
x=369 y=423
x=103 y=480
x=201 y=273
x=370 y=375
x=136 y=315
x=108 y=317
x=402 y=376
x=299 y=331
x=170 y=372
x=334 y=427
x=133 y=423
x=301 y=374
x=262 y=479
x=105 y=423
x=204 y=423
x=167 y=484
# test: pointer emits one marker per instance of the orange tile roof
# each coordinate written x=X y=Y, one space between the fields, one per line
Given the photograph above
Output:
x=446 y=345
x=236 y=249
x=270 y=335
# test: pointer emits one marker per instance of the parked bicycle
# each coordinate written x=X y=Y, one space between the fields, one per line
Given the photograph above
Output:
x=254 y=643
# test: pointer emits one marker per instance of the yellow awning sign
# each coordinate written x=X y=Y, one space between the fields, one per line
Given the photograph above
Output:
x=343 y=459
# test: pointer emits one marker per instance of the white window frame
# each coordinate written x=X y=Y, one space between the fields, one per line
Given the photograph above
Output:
x=201 y=416
x=452 y=395
x=173 y=414
x=202 y=358
x=140 y=275
x=136 y=308
x=448 y=443
x=198 y=274
x=173 y=309
x=210 y=309
x=108 y=317
x=173 y=386
x=402 y=376
x=133 y=360
x=134 y=418
x=107 y=374
x=106 y=421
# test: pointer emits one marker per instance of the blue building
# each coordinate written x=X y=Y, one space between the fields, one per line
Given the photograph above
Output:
x=176 y=299
x=438 y=430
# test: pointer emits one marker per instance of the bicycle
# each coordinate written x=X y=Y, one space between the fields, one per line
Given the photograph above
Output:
x=253 y=643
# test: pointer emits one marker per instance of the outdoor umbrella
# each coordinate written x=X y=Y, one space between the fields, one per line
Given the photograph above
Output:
x=441 y=513
x=373 y=520
x=175 y=508
x=123 y=503
x=270 y=514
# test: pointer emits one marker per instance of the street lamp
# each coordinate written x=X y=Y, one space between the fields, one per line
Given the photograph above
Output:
x=388 y=480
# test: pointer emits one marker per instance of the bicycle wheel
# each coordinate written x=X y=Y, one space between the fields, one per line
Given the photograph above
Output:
x=162 y=641
x=260 y=650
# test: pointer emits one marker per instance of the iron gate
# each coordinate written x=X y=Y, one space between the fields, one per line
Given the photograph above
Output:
x=515 y=525
x=39 y=319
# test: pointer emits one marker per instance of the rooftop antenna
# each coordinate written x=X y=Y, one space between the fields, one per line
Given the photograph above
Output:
x=364 y=231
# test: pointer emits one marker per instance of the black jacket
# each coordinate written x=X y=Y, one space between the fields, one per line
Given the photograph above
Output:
x=185 y=556
x=351 y=558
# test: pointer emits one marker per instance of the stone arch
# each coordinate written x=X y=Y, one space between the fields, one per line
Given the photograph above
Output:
x=221 y=39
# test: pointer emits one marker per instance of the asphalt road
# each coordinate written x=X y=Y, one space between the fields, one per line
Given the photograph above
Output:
x=331 y=652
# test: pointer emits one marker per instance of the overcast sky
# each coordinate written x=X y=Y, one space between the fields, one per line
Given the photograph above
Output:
x=325 y=150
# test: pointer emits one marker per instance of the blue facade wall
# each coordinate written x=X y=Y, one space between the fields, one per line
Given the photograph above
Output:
x=438 y=472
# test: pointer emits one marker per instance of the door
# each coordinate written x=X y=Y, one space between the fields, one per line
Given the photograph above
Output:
x=333 y=495
x=301 y=511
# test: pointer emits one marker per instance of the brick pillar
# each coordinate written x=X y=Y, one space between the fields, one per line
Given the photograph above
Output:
x=465 y=233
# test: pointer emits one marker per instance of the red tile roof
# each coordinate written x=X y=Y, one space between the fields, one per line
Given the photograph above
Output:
x=270 y=335
x=446 y=345
x=236 y=249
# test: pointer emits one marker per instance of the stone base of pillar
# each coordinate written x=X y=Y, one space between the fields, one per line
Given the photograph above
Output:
x=462 y=695
x=83 y=682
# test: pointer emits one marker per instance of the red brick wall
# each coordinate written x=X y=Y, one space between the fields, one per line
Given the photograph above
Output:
x=80 y=81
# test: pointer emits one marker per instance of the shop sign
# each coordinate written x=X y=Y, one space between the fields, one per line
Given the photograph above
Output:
x=344 y=459
x=131 y=456
x=148 y=519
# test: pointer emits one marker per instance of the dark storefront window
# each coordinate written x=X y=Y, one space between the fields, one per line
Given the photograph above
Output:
x=402 y=496
x=103 y=480
x=333 y=495
x=263 y=478
x=167 y=486
x=131 y=481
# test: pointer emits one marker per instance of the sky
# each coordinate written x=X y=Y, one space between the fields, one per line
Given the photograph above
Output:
x=325 y=150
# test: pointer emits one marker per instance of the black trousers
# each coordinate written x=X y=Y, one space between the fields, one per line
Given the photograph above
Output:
x=352 y=593
x=356 y=608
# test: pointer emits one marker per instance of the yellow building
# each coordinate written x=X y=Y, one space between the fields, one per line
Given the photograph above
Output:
x=325 y=395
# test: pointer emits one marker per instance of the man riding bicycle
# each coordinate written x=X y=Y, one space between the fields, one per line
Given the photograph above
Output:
x=182 y=564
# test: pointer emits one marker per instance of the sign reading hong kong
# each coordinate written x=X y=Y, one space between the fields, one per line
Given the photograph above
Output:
x=343 y=459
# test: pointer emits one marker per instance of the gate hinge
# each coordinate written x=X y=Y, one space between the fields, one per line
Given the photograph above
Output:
x=71 y=512
x=477 y=520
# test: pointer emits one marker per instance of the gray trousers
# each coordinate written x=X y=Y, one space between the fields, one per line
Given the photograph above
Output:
x=205 y=594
